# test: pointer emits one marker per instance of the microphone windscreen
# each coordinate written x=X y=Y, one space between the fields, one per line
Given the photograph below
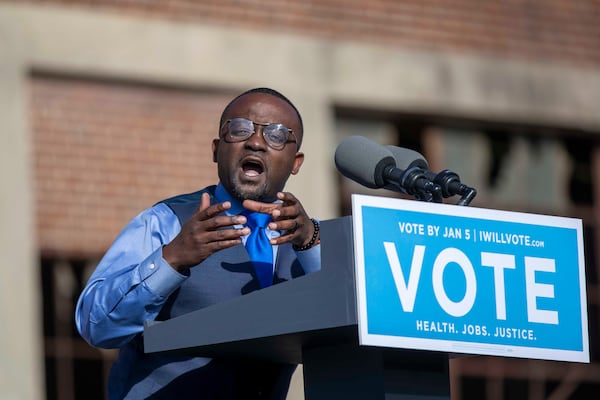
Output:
x=407 y=158
x=363 y=161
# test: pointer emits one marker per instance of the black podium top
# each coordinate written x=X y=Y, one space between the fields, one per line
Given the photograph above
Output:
x=278 y=322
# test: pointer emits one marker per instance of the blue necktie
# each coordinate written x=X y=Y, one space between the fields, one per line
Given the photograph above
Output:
x=259 y=248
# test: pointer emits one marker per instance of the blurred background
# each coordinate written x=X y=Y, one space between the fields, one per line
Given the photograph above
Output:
x=107 y=107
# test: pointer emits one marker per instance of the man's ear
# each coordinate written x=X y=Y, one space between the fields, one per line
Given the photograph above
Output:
x=298 y=160
x=215 y=148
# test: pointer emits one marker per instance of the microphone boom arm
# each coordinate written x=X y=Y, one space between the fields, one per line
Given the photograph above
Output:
x=414 y=182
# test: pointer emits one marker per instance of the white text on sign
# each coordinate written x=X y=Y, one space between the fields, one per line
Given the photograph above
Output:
x=407 y=291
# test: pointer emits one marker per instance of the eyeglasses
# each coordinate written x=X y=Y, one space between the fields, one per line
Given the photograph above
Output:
x=240 y=129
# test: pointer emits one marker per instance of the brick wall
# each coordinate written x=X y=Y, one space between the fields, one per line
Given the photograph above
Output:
x=550 y=30
x=100 y=147
x=104 y=151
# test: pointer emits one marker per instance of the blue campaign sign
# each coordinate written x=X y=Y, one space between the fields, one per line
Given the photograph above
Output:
x=469 y=280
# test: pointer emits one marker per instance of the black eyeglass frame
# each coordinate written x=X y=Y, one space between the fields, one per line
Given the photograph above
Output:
x=228 y=138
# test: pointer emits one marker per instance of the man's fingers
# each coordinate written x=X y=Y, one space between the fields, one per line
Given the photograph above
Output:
x=205 y=201
x=289 y=225
x=206 y=211
x=216 y=209
x=286 y=197
x=257 y=206
x=226 y=235
x=289 y=236
x=222 y=221
x=204 y=204
x=285 y=212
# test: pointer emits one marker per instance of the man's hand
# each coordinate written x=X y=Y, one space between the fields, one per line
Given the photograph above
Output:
x=288 y=216
x=202 y=235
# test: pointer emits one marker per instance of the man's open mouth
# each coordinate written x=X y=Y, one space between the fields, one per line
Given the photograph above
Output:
x=252 y=167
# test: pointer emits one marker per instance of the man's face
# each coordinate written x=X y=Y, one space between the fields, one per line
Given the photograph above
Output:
x=251 y=169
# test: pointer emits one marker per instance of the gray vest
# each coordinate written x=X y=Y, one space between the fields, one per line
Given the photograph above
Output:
x=224 y=275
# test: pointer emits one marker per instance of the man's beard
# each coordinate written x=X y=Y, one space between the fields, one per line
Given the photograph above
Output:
x=257 y=193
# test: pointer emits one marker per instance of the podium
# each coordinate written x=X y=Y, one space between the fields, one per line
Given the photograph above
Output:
x=312 y=321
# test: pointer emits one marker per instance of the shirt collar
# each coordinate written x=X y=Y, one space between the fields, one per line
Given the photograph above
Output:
x=221 y=194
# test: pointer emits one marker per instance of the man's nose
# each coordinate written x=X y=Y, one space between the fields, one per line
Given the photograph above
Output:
x=257 y=140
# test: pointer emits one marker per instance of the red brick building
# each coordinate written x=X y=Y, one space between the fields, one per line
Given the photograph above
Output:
x=109 y=106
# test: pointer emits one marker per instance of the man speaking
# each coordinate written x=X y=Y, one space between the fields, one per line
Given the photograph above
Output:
x=195 y=250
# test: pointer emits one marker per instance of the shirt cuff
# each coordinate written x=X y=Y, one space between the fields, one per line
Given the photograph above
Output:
x=310 y=259
x=158 y=276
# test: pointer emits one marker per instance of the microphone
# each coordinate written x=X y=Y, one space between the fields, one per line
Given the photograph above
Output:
x=409 y=160
x=375 y=166
x=363 y=161
x=447 y=180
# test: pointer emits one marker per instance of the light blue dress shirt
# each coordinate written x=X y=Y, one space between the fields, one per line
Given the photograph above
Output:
x=132 y=281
